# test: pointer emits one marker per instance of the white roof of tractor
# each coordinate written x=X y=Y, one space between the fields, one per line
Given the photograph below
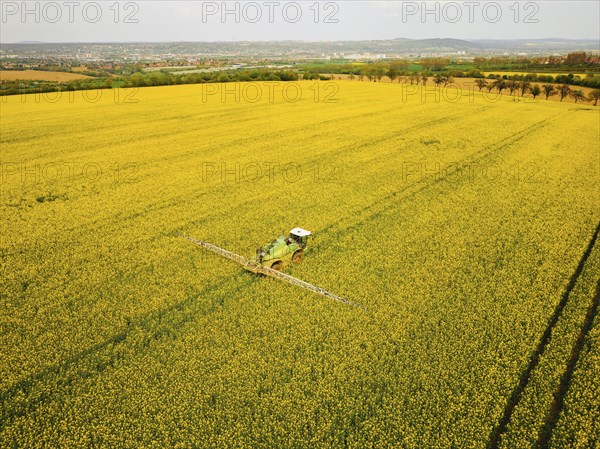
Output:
x=299 y=232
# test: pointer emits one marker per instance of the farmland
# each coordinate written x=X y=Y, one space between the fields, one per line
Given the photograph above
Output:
x=39 y=75
x=469 y=84
x=465 y=226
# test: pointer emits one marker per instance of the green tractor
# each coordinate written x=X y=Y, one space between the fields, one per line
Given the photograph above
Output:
x=283 y=251
x=272 y=258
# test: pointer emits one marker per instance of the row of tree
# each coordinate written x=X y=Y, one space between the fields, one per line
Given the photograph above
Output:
x=431 y=66
x=589 y=81
x=164 y=78
x=548 y=90
x=19 y=87
x=500 y=85
x=139 y=79
x=574 y=60
x=404 y=77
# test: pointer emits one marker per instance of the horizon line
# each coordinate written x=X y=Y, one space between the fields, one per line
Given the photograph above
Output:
x=300 y=40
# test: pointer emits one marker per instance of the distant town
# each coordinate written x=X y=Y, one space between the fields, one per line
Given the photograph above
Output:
x=29 y=67
x=192 y=53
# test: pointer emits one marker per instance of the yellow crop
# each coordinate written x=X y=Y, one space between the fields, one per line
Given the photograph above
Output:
x=457 y=221
x=13 y=75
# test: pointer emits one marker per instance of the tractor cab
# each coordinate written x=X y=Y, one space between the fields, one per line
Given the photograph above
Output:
x=300 y=236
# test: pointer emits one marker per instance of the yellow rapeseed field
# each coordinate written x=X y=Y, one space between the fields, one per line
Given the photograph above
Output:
x=41 y=75
x=457 y=219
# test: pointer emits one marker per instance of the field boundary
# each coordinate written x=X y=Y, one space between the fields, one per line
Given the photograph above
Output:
x=515 y=397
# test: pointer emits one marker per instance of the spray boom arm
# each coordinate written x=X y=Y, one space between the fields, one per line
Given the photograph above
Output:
x=258 y=268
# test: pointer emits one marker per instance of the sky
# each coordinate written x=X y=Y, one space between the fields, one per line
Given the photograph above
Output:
x=160 y=21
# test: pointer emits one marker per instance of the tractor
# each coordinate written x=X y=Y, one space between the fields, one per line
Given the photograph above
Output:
x=272 y=258
x=282 y=251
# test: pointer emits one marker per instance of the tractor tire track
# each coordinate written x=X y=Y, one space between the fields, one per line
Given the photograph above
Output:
x=160 y=205
x=420 y=186
x=301 y=132
x=496 y=434
x=545 y=435
x=154 y=325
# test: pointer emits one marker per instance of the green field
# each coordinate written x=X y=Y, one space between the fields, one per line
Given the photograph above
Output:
x=464 y=228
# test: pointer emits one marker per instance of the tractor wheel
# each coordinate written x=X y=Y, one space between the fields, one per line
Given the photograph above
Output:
x=277 y=266
x=298 y=256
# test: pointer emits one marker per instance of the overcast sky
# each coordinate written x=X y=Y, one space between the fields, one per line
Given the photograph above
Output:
x=83 y=21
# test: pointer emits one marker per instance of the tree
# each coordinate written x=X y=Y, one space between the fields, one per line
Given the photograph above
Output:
x=392 y=74
x=400 y=64
x=577 y=95
x=576 y=58
x=512 y=85
x=594 y=96
x=424 y=78
x=352 y=76
x=438 y=79
x=481 y=83
x=535 y=90
x=548 y=90
x=563 y=91
x=307 y=76
x=448 y=80
x=525 y=86
x=435 y=63
x=500 y=85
